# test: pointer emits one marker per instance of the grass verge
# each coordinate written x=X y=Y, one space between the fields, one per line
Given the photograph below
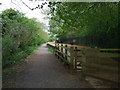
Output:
x=51 y=50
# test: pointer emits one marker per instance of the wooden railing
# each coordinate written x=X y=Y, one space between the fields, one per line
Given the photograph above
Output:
x=102 y=64
x=98 y=63
x=65 y=53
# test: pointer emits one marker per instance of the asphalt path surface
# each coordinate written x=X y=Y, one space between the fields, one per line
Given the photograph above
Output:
x=44 y=70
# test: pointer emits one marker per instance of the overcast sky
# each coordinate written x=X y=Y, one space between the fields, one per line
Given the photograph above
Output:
x=37 y=13
x=18 y=5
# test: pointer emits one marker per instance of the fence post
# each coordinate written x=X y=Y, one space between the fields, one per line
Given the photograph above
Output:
x=58 y=50
x=71 y=59
x=65 y=52
x=62 y=52
x=55 y=49
x=75 y=54
x=83 y=65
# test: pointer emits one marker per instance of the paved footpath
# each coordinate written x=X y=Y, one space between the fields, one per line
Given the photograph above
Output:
x=44 y=70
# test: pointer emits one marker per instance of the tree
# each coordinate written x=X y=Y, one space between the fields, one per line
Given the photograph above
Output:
x=20 y=36
x=80 y=19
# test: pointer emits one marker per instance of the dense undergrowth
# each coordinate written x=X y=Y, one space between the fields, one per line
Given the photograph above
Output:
x=20 y=36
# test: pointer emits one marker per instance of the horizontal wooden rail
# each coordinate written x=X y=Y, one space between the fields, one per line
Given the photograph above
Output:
x=96 y=62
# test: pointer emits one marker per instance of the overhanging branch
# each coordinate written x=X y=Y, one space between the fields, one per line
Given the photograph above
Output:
x=38 y=7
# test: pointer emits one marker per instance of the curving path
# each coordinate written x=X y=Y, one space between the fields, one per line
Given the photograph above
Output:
x=44 y=70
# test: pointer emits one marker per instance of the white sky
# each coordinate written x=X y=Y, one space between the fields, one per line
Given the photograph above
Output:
x=37 y=13
x=18 y=5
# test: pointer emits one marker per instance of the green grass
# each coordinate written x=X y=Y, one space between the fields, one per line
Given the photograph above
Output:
x=51 y=50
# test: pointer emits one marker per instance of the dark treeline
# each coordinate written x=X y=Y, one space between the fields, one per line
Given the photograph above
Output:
x=20 y=36
x=95 y=23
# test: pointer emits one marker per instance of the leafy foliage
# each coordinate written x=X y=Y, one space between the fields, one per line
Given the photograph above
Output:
x=20 y=36
x=80 y=19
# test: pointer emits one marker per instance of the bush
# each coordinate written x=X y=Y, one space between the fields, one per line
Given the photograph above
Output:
x=20 y=36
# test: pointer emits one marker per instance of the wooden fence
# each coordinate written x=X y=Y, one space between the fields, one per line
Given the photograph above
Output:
x=102 y=64
x=99 y=63
x=70 y=54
